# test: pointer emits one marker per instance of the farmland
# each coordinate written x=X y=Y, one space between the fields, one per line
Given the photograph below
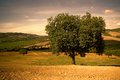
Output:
x=15 y=41
x=112 y=42
x=42 y=58
x=43 y=65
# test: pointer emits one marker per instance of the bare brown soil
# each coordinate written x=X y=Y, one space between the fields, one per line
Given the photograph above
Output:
x=66 y=72
x=112 y=33
x=111 y=38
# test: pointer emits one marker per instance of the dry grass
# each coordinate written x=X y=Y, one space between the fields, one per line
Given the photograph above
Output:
x=112 y=33
x=14 y=66
x=66 y=72
x=111 y=38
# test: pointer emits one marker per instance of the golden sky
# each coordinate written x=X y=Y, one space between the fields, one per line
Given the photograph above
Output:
x=30 y=16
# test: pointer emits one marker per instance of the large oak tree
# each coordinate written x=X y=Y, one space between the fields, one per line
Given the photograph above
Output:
x=71 y=34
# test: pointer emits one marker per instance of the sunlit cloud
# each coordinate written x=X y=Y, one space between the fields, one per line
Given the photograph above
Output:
x=26 y=16
x=49 y=12
x=33 y=20
x=118 y=23
x=108 y=11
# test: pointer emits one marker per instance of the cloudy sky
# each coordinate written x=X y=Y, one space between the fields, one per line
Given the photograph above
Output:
x=30 y=16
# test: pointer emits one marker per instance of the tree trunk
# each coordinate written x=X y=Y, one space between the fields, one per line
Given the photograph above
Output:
x=72 y=55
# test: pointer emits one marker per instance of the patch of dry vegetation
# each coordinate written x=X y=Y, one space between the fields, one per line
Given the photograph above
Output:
x=66 y=72
x=114 y=34
x=111 y=38
x=18 y=67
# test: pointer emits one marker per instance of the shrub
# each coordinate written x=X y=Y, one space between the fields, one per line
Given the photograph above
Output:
x=112 y=52
x=109 y=53
x=23 y=51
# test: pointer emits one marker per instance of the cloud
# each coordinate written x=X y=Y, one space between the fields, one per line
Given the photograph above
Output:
x=33 y=20
x=36 y=20
x=31 y=15
x=118 y=24
x=108 y=11
x=49 y=12
x=26 y=16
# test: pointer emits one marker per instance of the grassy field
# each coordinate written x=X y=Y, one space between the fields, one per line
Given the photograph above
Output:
x=112 y=47
x=43 y=65
x=42 y=58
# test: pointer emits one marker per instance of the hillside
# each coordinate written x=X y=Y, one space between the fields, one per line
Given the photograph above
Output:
x=11 y=37
x=15 y=41
x=112 y=42
x=113 y=32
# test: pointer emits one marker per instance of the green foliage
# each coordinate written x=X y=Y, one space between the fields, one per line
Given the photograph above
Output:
x=62 y=31
x=15 y=46
x=112 y=48
x=91 y=33
x=112 y=45
x=113 y=52
x=106 y=33
x=70 y=33
x=23 y=51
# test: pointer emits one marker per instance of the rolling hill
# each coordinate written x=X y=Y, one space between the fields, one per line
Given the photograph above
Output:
x=112 y=42
x=15 y=41
x=11 y=37
x=113 y=32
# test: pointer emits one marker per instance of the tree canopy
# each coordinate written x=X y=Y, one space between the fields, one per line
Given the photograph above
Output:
x=72 y=33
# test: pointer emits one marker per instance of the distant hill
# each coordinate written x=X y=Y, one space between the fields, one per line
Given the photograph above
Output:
x=15 y=41
x=11 y=37
x=113 y=32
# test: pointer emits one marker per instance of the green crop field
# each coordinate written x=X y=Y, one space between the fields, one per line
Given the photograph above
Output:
x=8 y=46
x=112 y=47
x=15 y=41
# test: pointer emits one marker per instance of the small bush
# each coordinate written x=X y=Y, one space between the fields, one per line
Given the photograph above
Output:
x=112 y=52
x=23 y=51
x=82 y=54
x=109 y=53
x=117 y=53
x=107 y=33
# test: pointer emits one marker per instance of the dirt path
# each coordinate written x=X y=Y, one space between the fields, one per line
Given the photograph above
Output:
x=111 y=38
x=114 y=33
x=68 y=72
